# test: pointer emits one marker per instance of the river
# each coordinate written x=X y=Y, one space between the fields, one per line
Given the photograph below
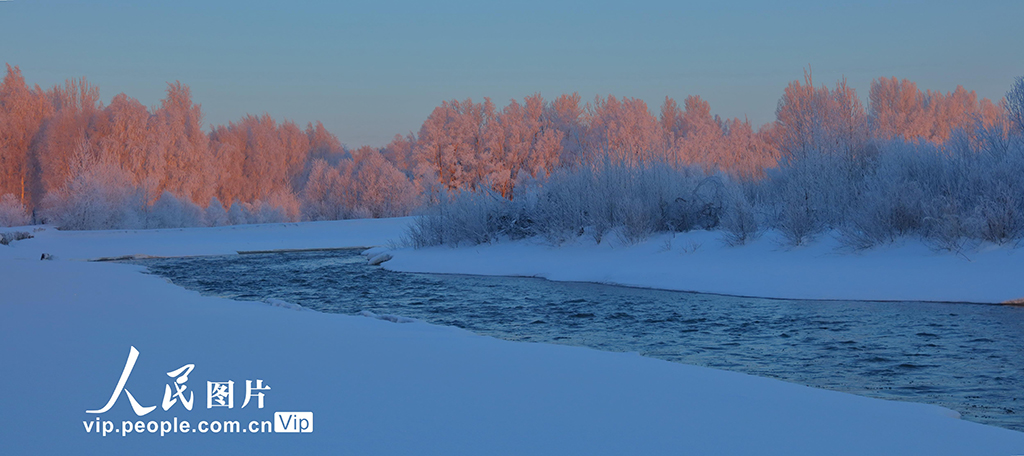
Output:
x=967 y=357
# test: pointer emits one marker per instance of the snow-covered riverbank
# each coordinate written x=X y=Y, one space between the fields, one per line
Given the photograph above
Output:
x=700 y=261
x=377 y=387
x=224 y=240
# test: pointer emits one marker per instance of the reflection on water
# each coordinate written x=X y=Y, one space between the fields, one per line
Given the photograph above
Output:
x=967 y=357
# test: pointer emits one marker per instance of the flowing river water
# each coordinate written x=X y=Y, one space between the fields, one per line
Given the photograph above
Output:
x=967 y=357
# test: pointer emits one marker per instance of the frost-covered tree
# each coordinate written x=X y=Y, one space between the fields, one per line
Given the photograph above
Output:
x=746 y=153
x=401 y=153
x=100 y=195
x=696 y=137
x=1015 y=104
x=379 y=188
x=12 y=211
x=702 y=142
x=66 y=134
x=818 y=120
x=950 y=111
x=671 y=121
x=177 y=135
x=449 y=149
x=322 y=143
x=228 y=144
x=520 y=141
x=366 y=185
x=623 y=131
x=897 y=110
x=257 y=158
x=125 y=136
x=322 y=197
x=22 y=112
x=566 y=115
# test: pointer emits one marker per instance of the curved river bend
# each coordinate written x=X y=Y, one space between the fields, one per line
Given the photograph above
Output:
x=966 y=357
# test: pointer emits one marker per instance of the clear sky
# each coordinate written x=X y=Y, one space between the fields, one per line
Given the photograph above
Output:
x=369 y=70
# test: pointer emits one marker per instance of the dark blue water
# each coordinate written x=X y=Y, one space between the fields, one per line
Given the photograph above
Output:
x=967 y=357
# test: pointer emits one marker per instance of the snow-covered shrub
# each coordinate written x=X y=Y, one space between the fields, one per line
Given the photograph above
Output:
x=999 y=217
x=889 y=197
x=6 y=238
x=981 y=194
x=965 y=190
x=739 y=220
x=100 y=196
x=633 y=200
x=277 y=208
x=236 y=214
x=262 y=212
x=12 y=212
x=637 y=221
x=637 y=200
x=944 y=225
x=564 y=207
x=464 y=217
x=214 y=214
x=813 y=192
x=170 y=211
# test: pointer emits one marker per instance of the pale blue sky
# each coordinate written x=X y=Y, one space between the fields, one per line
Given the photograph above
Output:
x=373 y=69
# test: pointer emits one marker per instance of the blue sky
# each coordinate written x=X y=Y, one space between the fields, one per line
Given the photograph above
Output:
x=372 y=69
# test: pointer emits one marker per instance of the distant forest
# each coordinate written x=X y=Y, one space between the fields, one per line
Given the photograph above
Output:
x=66 y=158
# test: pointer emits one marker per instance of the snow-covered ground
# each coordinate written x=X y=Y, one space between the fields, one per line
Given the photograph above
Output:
x=91 y=245
x=700 y=261
x=379 y=387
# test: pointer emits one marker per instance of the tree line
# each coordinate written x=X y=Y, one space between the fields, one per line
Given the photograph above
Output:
x=67 y=158
x=943 y=168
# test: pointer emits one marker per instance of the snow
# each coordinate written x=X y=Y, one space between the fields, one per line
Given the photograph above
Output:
x=223 y=240
x=284 y=304
x=378 y=387
x=701 y=261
